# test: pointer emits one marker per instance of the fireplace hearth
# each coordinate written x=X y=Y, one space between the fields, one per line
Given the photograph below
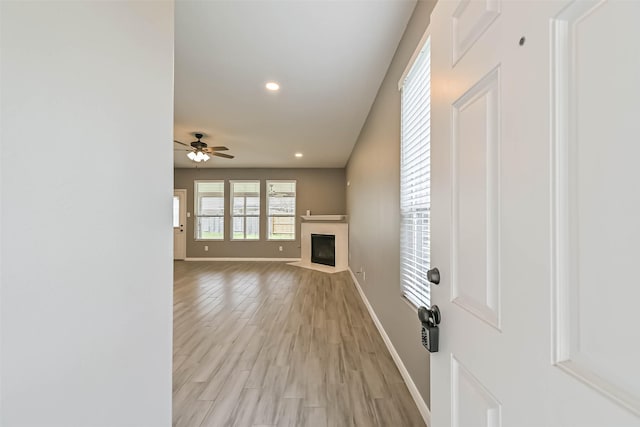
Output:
x=323 y=249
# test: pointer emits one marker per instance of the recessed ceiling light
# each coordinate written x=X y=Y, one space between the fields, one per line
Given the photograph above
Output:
x=273 y=86
x=298 y=155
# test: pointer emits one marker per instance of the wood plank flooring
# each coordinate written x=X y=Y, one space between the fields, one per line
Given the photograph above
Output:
x=268 y=344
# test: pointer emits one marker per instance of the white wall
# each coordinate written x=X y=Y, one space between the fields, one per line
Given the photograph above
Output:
x=373 y=205
x=86 y=187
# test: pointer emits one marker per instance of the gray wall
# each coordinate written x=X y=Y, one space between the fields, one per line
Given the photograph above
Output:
x=86 y=280
x=322 y=191
x=373 y=206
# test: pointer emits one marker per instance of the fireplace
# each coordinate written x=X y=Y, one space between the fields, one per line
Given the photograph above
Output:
x=323 y=249
x=329 y=257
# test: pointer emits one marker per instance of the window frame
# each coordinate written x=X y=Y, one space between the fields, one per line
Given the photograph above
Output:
x=196 y=210
x=415 y=292
x=232 y=216
x=176 y=215
x=295 y=210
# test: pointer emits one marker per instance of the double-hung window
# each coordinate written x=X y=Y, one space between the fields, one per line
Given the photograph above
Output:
x=245 y=210
x=415 y=201
x=281 y=210
x=209 y=208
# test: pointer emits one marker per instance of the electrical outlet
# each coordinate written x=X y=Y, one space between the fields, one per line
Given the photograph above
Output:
x=206 y=248
x=280 y=248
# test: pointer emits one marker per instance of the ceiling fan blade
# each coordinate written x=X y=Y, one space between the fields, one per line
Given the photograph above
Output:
x=182 y=143
x=182 y=149
x=211 y=150
x=226 y=156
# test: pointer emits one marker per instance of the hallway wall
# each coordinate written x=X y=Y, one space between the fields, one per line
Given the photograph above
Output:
x=373 y=205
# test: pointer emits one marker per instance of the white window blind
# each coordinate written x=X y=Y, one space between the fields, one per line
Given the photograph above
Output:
x=209 y=210
x=415 y=201
x=245 y=210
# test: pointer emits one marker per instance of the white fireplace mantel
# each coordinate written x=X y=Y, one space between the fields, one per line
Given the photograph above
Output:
x=323 y=217
x=338 y=229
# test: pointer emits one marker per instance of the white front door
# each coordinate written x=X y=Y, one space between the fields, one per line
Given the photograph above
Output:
x=179 y=224
x=536 y=213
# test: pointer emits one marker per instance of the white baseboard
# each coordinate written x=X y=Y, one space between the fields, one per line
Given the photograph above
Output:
x=244 y=259
x=417 y=397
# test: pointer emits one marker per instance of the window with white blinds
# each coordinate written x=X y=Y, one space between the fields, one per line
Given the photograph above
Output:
x=415 y=201
x=281 y=210
x=245 y=210
x=209 y=207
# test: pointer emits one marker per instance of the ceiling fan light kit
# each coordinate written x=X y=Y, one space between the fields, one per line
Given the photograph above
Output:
x=199 y=151
x=198 y=156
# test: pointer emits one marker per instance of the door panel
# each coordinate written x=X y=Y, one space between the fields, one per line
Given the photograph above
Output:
x=597 y=199
x=470 y=20
x=471 y=403
x=534 y=215
x=475 y=149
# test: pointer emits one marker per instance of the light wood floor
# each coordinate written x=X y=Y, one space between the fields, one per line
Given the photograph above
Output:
x=268 y=344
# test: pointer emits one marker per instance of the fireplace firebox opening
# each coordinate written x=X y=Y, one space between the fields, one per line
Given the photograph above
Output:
x=323 y=249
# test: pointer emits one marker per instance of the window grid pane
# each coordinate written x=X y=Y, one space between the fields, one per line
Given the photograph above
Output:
x=252 y=227
x=210 y=228
x=415 y=185
x=282 y=228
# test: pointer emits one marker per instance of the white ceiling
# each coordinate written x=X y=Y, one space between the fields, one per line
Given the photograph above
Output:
x=329 y=57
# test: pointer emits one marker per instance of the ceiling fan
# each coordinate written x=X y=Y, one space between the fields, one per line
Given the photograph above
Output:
x=198 y=151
